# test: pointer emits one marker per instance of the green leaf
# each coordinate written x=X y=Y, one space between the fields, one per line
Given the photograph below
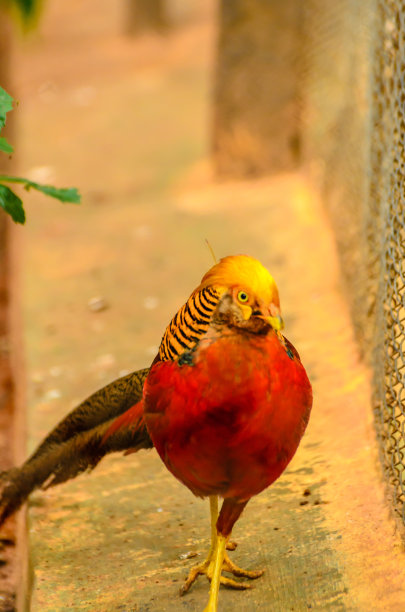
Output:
x=12 y=204
x=6 y=105
x=5 y=146
x=70 y=194
x=64 y=195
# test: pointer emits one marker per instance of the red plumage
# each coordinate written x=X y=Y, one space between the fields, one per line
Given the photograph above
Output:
x=227 y=420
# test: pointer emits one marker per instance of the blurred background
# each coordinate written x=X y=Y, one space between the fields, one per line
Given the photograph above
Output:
x=269 y=128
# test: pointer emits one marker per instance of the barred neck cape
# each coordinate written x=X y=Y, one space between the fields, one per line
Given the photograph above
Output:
x=191 y=322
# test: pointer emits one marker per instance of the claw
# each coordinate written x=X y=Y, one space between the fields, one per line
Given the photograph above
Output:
x=232 y=568
x=207 y=567
x=196 y=571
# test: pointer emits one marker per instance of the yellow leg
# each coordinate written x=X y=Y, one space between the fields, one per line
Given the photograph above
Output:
x=216 y=575
x=203 y=568
x=208 y=566
x=214 y=518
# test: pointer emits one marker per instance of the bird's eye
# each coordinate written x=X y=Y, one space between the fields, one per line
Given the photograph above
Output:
x=243 y=297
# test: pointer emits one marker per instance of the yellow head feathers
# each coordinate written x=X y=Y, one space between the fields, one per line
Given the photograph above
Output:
x=252 y=287
x=244 y=272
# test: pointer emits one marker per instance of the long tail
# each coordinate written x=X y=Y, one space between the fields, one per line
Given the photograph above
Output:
x=79 y=441
x=106 y=403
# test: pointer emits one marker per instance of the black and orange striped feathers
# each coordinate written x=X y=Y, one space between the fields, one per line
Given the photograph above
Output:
x=189 y=324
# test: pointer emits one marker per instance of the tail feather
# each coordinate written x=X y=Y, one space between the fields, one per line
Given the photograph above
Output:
x=79 y=442
x=106 y=403
x=67 y=460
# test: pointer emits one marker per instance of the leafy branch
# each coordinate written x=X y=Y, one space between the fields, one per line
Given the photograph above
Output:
x=9 y=201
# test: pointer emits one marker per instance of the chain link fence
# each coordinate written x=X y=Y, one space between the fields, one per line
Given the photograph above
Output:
x=353 y=111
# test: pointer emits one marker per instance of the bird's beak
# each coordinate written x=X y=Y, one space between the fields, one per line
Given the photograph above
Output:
x=273 y=317
x=276 y=322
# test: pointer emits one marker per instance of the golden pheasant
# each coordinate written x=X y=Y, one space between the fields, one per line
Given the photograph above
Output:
x=225 y=403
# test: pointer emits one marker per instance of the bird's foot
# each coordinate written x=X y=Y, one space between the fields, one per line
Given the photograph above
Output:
x=207 y=568
x=232 y=568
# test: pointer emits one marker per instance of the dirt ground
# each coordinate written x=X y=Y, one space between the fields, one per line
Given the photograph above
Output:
x=128 y=122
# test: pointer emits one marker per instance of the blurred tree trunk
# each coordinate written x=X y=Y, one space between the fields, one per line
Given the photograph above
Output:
x=5 y=371
x=13 y=579
x=144 y=15
x=256 y=106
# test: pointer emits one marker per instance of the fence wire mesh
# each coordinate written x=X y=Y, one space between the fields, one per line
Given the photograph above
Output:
x=353 y=108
